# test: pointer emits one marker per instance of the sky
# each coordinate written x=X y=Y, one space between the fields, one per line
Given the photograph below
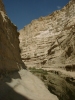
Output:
x=22 y=12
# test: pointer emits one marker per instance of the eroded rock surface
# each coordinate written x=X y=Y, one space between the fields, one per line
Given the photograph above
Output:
x=50 y=41
x=10 y=59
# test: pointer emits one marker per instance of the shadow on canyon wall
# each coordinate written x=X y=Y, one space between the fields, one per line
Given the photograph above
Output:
x=6 y=92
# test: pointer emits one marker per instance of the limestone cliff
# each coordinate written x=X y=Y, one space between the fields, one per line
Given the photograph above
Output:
x=10 y=59
x=50 y=41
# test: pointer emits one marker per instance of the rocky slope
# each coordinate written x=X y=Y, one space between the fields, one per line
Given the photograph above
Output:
x=24 y=86
x=59 y=83
x=10 y=59
x=50 y=41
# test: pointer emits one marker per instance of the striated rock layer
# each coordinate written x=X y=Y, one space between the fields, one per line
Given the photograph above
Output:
x=10 y=59
x=50 y=41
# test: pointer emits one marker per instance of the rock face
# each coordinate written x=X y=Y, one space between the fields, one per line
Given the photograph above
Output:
x=50 y=41
x=10 y=59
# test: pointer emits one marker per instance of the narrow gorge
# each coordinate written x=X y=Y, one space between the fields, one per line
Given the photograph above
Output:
x=38 y=62
x=16 y=83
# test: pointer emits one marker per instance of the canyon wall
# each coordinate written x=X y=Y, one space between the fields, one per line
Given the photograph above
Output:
x=10 y=59
x=50 y=41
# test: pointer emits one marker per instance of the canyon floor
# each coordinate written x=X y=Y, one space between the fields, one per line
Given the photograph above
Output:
x=59 y=82
x=23 y=85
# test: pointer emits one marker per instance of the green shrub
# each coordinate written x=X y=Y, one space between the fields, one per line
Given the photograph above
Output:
x=34 y=70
